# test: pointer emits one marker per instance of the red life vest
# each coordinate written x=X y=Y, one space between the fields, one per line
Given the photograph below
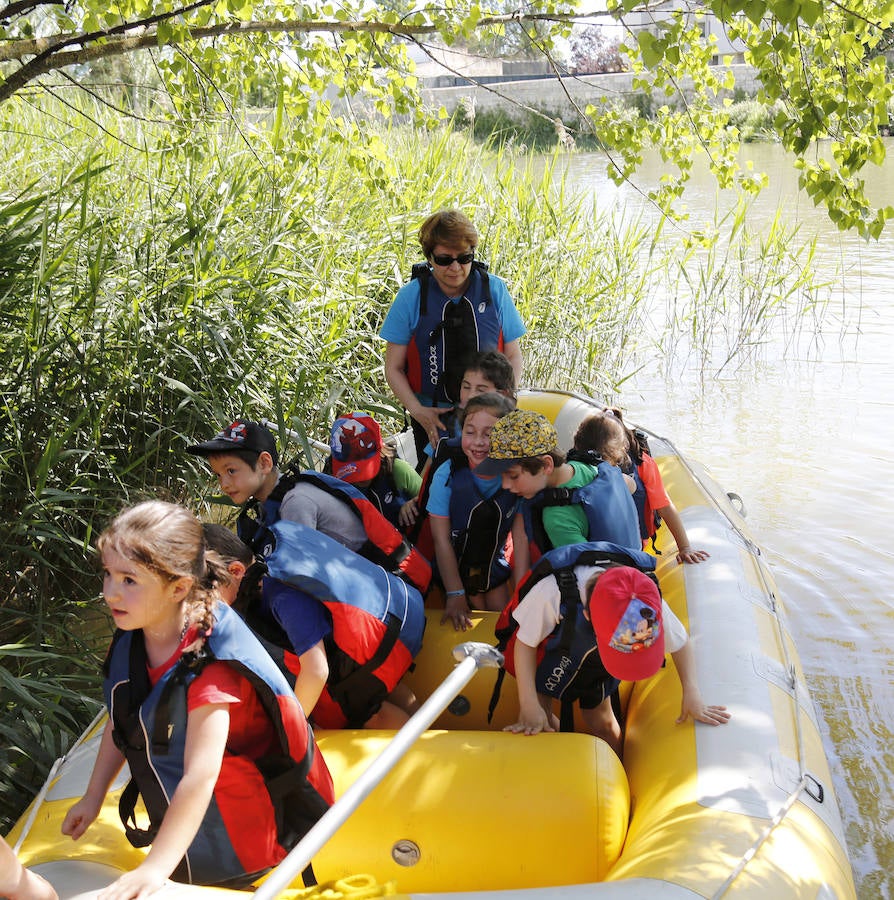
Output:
x=150 y=729
x=378 y=620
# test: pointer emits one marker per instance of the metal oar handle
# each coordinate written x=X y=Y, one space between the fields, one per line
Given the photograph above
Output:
x=472 y=656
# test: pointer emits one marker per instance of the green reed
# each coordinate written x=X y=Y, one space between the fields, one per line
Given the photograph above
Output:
x=151 y=291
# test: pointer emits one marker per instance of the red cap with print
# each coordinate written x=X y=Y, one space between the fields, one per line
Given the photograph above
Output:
x=356 y=444
x=625 y=611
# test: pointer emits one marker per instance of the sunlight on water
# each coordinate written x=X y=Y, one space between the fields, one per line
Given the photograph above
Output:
x=805 y=433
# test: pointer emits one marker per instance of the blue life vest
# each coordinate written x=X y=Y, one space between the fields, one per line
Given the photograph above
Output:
x=572 y=643
x=449 y=333
x=150 y=729
x=606 y=501
x=479 y=527
x=383 y=493
x=378 y=620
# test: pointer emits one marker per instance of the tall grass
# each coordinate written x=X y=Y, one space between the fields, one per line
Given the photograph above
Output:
x=725 y=301
x=151 y=292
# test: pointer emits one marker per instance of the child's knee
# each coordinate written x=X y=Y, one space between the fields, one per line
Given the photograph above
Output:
x=600 y=721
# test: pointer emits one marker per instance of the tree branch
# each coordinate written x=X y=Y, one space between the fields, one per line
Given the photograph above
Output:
x=11 y=10
x=48 y=53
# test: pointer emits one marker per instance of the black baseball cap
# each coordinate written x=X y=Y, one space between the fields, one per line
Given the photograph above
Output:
x=239 y=436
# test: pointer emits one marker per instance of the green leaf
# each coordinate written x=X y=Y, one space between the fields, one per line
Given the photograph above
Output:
x=651 y=48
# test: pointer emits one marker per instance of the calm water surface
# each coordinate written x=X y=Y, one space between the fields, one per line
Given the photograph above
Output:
x=805 y=434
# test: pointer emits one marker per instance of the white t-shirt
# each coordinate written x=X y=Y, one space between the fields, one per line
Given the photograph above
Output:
x=539 y=612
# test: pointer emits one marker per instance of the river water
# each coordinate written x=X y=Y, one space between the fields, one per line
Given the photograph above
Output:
x=804 y=431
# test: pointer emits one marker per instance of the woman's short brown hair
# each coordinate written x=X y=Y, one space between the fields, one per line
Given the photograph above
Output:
x=449 y=227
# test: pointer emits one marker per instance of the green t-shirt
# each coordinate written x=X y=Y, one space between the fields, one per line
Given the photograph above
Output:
x=406 y=479
x=568 y=524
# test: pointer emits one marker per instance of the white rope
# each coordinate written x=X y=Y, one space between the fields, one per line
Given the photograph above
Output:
x=41 y=794
x=751 y=852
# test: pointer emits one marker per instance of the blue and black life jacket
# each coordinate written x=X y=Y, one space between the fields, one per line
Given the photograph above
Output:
x=384 y=494
x=449 y=334
x=149 y=725
x=572 y=642
x=649 y=520
x=385 y=545
x=479 y=527
x=378 y=619
x=606 y=501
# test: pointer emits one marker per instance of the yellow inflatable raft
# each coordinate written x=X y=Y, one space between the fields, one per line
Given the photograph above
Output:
x=741 y=811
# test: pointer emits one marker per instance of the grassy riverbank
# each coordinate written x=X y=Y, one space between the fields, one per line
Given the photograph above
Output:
x=152 y=289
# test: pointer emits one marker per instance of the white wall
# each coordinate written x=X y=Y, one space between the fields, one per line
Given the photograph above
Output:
x=549 y=94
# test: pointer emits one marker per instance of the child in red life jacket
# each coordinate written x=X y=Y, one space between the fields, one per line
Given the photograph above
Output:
x=631 y=629
x=606 y=435
x=186 y=670
x=317 y=636
x=360 y=457
x=471 y=518
x=244 y=458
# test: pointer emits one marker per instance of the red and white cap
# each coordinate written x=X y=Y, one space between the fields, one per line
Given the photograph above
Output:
x=356 y=444
x=625 y=611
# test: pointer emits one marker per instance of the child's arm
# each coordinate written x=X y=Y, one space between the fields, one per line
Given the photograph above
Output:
x=532 y=717
x=109 y=760
x=17 y=882
x=408 y=513
x=312 y=678
x=521 y=551
x=457 y=603
x=206 y=736
x=692 y=704
x=685 y=553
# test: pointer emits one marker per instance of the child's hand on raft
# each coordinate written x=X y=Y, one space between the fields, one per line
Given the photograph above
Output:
x=692 y=556
x=141 y=882
x=533 y=721
x=457 y=612
x=702 y=712
x=79 y=817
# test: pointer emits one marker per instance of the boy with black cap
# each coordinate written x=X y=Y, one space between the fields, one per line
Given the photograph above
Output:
x=630 y=629
x=244 y=458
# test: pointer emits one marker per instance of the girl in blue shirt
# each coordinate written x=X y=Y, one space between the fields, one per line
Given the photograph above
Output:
x=472 y=517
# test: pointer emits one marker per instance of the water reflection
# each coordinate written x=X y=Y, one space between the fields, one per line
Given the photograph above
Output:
x=804 y=431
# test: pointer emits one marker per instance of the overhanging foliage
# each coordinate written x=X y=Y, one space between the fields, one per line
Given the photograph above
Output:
x=823 y=61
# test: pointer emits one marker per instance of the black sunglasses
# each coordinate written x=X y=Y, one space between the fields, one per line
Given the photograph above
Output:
x=442 y=259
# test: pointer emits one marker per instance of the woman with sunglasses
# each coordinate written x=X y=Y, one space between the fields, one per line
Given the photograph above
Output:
x=451 y=308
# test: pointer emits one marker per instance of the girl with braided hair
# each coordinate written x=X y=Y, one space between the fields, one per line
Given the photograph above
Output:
x=199 y=712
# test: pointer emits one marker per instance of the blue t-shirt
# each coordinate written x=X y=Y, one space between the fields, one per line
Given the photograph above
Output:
x=440 y=490
x=304 y=619
x=403 y=316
